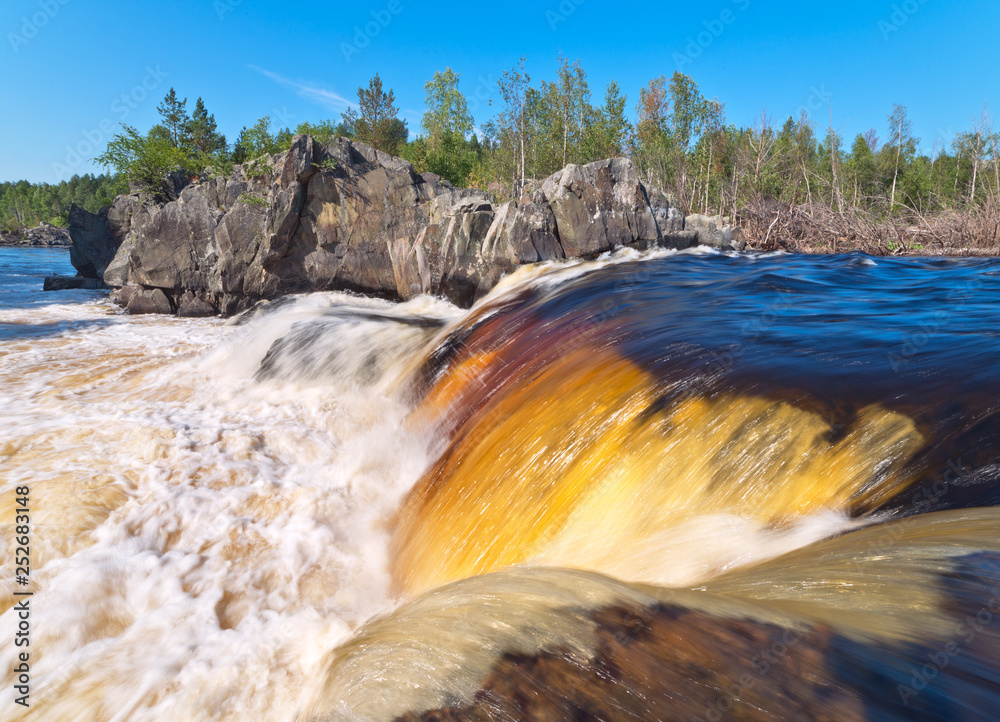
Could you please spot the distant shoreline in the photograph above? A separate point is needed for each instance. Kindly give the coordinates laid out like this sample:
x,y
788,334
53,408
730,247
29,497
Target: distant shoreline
x,y
58,246
43,236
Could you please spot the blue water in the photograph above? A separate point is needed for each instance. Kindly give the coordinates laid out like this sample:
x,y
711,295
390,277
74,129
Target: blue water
x,y
23,270
835,334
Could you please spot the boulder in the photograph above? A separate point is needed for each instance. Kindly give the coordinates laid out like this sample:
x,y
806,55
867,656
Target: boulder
x,y
710,231
600,206
194,304
524,232
148,300
45,235
668,218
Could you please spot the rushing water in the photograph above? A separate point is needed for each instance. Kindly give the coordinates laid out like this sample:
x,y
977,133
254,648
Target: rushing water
x,y
748,443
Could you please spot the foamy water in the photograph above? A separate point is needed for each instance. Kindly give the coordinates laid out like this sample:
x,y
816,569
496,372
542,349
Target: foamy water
x,y
199,538
211,510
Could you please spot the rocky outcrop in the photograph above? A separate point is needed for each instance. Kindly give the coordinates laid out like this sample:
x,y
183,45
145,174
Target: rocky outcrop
x,y
600,206
344,216
43,236
94,244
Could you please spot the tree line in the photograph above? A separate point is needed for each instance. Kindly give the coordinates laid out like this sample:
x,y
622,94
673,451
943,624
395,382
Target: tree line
x,y
25,205
679,139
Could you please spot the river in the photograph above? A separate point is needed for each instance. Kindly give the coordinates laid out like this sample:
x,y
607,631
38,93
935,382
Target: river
x,y
335,507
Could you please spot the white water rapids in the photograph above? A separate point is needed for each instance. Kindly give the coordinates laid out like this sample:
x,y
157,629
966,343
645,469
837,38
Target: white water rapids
x,y
201,538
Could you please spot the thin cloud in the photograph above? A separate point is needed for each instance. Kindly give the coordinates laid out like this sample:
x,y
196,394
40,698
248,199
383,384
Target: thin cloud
x,y
321,96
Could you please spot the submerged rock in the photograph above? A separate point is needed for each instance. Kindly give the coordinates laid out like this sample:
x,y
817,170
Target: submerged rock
x,y
64,283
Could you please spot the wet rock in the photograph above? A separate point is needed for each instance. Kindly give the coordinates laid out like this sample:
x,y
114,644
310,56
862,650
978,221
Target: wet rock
x,y
194,305
148,300
93,245
710,231
64,283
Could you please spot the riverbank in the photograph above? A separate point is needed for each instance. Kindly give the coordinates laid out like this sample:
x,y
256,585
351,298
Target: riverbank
x,y
771,225
44,236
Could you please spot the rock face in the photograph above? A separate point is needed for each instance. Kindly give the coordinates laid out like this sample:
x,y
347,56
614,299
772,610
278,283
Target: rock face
x,y
344,216
599,206
94,245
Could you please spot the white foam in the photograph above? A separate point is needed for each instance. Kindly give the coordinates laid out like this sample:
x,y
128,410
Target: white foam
x,y
238,530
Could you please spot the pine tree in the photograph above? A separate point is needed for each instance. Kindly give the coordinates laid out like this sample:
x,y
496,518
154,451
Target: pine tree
x,y
203,131
375,121
175,118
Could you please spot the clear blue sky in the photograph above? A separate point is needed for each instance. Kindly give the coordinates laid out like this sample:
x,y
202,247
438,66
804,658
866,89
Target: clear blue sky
x,y
66,64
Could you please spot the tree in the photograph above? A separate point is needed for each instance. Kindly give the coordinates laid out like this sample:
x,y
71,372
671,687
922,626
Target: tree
x,y
691,115
615,125
573,104
375,121
142,161
901,130
863,167
447,111
175,118
241,149
512,122
258,139
203,131
652,135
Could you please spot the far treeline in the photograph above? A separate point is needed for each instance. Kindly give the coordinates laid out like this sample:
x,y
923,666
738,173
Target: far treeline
x,y
25,205
788,183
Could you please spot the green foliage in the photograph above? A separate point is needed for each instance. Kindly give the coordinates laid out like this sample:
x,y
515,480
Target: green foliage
x,y
607,130
375,122
203,131
142,161
444,148
176,122
679,141
259,167
447,111
324,132
25,205
252,199
327,164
